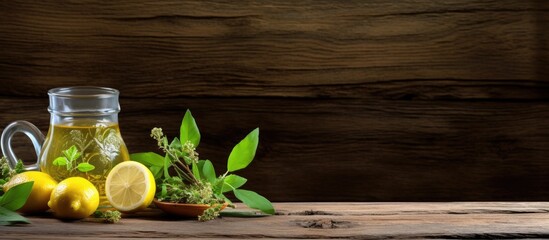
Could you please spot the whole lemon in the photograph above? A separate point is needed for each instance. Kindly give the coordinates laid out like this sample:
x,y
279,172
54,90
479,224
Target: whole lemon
x,y
74,198
40,193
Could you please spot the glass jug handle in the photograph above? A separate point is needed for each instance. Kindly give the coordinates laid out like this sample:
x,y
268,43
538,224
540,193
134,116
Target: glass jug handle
x,y
28,129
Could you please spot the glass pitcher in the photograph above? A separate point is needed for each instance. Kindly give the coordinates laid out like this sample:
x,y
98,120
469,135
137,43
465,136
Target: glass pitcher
x,y
83,138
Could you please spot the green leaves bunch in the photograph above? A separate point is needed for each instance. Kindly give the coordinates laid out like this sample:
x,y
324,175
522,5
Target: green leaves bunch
x,y
196,180
14,198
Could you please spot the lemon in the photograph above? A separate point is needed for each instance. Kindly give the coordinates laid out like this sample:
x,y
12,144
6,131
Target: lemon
x,y
130,187
40,193
74,198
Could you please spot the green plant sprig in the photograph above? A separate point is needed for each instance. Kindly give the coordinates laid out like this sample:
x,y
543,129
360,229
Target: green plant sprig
x,y
68,159
175,152
108,216
196,180
6,172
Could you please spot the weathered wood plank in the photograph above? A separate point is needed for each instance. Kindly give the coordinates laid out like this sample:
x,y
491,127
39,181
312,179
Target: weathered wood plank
x,y
415,49
331,150
320,221
320,78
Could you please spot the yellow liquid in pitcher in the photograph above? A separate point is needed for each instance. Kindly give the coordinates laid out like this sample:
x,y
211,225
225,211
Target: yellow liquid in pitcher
x,y
83,148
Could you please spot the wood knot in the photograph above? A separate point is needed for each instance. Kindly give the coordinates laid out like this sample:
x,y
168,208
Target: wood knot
x,y
322,223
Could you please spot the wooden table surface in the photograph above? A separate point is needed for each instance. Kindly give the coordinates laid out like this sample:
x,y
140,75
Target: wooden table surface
x,y
318,221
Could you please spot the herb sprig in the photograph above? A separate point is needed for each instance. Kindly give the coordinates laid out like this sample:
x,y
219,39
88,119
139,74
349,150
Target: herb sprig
x,y
196,181
6,171
68,159
108,216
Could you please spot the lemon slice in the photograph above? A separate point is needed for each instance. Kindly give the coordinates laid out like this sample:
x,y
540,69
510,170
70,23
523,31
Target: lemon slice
x,y
130,187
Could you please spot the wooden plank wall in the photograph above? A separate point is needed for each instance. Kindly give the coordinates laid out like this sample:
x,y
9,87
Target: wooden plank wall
x,y
410,100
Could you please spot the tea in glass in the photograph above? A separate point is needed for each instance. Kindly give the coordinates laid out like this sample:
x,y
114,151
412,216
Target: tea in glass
x,y
83,139
83,148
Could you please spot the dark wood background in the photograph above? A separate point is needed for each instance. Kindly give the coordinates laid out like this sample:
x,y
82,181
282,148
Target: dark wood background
x,y
371,100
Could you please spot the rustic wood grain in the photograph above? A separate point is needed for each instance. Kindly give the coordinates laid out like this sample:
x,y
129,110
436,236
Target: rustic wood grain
x,y
413,49
329,150
412,100
474,220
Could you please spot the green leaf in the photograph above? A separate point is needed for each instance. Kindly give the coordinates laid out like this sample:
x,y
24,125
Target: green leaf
x,y
189,130
233,181
196,170
85,167
60,161
72,153
8,217
163,191
254,200
243,153
208,171
176,144
187,160
16,197
217,186
148,159
167,164
156,171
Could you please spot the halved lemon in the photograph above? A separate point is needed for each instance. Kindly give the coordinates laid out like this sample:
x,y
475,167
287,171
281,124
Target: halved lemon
x,y
130,187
